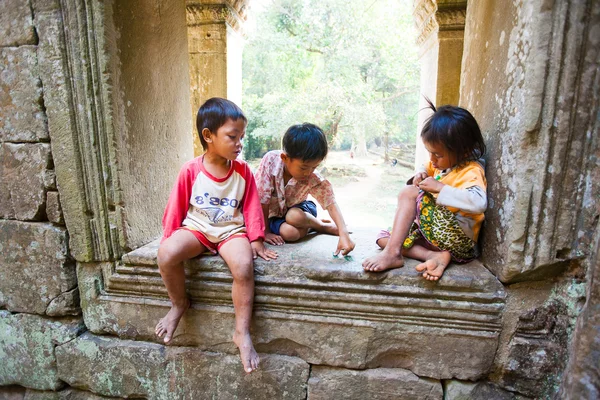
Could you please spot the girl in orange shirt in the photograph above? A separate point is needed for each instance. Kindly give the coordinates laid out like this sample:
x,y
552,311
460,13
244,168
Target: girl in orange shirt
x,y
440,211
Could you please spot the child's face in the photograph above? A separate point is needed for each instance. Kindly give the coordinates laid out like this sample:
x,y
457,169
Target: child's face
x,y
299,169
227,141
440,156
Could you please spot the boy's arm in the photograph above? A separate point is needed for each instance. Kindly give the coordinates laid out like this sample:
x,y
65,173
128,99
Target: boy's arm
x,y
345,244
270,237
254,219
178,203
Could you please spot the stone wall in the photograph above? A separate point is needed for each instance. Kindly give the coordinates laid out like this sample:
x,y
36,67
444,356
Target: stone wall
x,y
94,123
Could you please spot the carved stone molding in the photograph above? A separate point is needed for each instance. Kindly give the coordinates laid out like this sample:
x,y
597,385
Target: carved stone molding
x,y
433,16
327,311
234,14
76,95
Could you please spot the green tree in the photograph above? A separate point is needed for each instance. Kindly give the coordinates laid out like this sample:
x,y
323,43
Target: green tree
x,y
350,67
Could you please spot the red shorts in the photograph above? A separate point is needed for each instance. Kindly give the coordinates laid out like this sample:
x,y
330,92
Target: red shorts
x,y
212,247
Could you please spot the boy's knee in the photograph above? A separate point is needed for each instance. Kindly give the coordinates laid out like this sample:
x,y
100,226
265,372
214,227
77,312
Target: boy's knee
x,y
165,257
295,217
291,234
243,272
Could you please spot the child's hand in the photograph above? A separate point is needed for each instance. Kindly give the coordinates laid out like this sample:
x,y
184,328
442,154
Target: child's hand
x,y
345,245
259,250
274,239
419,176
431,185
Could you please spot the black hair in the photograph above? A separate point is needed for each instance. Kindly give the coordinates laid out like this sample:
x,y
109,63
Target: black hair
x,y
214,113
455,128
305,141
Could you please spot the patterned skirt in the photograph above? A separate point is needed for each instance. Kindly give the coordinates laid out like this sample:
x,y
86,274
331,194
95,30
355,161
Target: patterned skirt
x,y
438,226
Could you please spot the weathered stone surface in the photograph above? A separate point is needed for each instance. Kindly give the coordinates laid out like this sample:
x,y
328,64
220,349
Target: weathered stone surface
x,y
458,390
375,384
41,395
537,352
74,394
114,367
22,117
581,378
16,24
538,111
326,311
27,346
22,189
53,208
12,392
35,269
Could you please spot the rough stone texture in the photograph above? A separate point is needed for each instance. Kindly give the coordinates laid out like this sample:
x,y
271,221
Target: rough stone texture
x,y
374,384
22,189
22,117
37,275
27,346
53,208
124,368
537,351
538,112
581,379
16,25
61,125
148,43
324,310
458,390
12,392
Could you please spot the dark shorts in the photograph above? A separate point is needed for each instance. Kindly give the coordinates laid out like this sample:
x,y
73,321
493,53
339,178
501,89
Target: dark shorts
x,y
306,206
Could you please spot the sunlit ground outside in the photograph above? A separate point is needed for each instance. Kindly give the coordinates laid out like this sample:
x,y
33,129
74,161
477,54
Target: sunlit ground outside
x,y
350,67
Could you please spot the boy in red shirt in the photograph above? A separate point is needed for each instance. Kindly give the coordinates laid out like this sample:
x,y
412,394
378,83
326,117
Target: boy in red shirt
x,y
214,207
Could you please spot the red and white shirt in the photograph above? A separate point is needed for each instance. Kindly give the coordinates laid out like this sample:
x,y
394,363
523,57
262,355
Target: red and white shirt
x,y
279,196
217,207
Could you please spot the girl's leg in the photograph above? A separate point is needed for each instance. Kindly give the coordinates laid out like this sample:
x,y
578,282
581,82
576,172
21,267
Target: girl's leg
x,y
435,261
391,255
237,253
180,246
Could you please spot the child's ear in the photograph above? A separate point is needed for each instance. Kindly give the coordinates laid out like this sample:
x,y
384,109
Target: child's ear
x,y
284,157
206,135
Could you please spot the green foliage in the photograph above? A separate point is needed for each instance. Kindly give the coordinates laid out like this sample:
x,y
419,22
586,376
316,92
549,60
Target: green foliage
x,y
348,66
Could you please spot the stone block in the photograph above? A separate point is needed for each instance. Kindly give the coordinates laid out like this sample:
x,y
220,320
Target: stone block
x,y
74,394
16,23
27,346
124,368
12,392
22,189
459,390
376,384
537,352
37,274
41,395
53,208
307,304
22,117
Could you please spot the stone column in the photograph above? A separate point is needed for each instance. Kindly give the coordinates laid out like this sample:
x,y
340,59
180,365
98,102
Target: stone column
x,y
440,25
215,47
530,77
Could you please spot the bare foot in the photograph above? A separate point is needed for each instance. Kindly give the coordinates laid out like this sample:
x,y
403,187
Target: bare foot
x,y
434,268
382,261
168,324
248,355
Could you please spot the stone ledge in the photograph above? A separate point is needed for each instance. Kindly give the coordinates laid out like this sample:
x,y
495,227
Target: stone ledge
x,y
308,304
